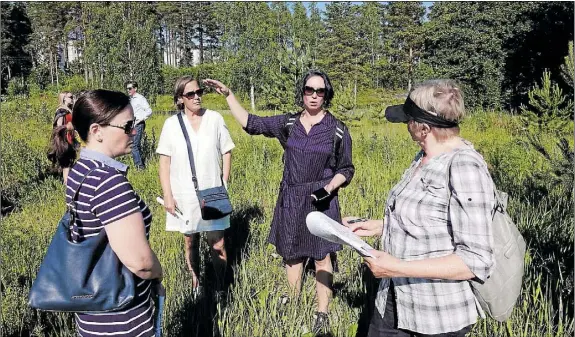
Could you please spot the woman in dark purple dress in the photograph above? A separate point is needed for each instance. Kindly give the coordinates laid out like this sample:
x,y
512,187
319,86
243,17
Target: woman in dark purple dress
x,y
309,166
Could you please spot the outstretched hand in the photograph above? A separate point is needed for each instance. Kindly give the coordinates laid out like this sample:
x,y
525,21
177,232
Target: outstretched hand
x,y
218,86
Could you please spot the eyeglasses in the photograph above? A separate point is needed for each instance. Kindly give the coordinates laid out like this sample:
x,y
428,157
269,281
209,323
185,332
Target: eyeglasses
x,y
308,91
129,88
192,94
128,127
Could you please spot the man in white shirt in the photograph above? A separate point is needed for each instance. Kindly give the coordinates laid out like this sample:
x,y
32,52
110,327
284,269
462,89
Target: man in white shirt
x,y
142,111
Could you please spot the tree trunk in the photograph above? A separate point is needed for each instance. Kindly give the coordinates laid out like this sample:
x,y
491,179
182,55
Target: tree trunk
x,y
355,93
201,43
84,37
66,56
9,73
51,68
130,66
101,71
167,46
410,69
166,54
57,68
252,96
173,49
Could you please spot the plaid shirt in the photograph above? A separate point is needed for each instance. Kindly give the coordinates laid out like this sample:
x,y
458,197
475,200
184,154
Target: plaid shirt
x,y
422,223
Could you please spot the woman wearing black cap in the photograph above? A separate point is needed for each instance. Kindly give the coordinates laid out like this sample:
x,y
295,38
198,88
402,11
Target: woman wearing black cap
x,y
437,233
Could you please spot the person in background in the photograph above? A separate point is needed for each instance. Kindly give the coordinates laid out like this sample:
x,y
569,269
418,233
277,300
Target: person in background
x,y
142,111
63,113
437,232
105,121
211,146
62,123
308,169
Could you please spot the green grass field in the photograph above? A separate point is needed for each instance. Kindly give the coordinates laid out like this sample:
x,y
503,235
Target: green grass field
x,y
381,152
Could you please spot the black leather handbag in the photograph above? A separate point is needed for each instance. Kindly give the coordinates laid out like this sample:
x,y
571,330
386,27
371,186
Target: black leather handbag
x,y
84,277
214,202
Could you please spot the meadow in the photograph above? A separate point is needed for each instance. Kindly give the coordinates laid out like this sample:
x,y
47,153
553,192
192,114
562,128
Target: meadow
x,y
34,199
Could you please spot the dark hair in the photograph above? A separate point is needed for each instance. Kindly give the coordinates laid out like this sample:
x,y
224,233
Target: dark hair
x,y
179,89
328,87
95,106
133,83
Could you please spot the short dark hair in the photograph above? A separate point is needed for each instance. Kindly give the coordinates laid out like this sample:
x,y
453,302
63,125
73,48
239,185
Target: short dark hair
x,y
328,88
133,83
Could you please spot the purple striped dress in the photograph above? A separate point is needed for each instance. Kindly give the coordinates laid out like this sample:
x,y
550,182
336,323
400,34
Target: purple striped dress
x,y
105,197
306,170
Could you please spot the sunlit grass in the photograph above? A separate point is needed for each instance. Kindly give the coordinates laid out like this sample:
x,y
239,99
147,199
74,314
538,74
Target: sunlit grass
x,y
381,152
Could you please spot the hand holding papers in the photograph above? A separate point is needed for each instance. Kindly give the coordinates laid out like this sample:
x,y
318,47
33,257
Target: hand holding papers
x,y
323,226
178,212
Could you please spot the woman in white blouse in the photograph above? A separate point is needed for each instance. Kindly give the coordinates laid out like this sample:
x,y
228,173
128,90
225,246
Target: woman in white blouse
x,y
211,146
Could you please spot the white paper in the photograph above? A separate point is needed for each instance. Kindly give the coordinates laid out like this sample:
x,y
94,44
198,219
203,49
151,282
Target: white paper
x,y
326,228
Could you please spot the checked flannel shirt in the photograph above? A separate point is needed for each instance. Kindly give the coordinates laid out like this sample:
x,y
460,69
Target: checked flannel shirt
x,y
421,223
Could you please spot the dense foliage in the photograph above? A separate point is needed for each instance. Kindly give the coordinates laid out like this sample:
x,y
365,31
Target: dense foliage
x,y
496,49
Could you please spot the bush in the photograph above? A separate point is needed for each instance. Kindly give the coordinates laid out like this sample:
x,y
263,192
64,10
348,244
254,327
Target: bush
x,y
21,167
74,83
17,87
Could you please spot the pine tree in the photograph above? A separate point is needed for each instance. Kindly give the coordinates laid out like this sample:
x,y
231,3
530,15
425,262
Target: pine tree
x,y
340,48
403,30
370,31
550,111
16,31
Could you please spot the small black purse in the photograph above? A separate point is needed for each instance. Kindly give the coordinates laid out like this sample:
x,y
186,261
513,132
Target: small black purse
x,y
84,277
214,202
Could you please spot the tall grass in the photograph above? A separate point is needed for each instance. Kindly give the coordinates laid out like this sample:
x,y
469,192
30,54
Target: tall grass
x,y
381,152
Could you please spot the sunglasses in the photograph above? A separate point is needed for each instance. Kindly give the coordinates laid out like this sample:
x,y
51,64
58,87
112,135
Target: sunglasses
x,y
308,91
129,88
128,127
192,94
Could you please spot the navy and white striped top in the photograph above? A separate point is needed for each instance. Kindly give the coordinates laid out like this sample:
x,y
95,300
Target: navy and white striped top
x,y
106,196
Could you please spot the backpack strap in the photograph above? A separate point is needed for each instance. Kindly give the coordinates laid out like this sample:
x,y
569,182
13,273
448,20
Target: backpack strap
x,y
336,151
339,131
289,122
500,203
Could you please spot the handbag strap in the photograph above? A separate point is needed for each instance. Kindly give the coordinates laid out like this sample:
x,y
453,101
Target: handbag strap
x,y
190,153
71,207
75,196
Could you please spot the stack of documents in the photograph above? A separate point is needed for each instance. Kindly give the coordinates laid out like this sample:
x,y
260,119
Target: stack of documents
x,y
326,228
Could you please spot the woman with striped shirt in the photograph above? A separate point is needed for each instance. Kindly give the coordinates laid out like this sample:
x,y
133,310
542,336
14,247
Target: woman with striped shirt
x,y
104,120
